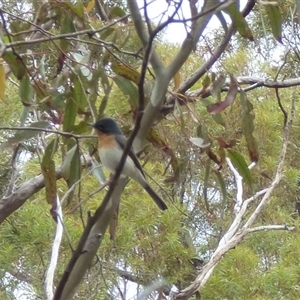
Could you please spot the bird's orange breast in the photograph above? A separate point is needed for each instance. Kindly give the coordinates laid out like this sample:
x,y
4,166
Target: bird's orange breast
x,y
106,141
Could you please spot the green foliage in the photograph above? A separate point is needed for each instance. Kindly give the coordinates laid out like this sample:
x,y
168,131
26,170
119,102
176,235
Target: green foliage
x,y
263,268
235,276
64,83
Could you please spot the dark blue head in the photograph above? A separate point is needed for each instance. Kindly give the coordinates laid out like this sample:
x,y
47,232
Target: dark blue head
x,y
107,126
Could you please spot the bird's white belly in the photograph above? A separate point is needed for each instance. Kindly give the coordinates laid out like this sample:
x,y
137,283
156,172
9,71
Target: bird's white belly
x,y
111,159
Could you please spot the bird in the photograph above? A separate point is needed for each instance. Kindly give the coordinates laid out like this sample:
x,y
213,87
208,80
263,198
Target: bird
x,y
111,144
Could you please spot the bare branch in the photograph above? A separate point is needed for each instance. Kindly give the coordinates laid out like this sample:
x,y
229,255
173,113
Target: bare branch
x,y
158,284
239,186
49,278
62,133
101,11
144,35
271,227
266,82
10,203
254,82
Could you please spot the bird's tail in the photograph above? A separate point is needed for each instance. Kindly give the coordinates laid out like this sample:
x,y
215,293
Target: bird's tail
x,y
159,202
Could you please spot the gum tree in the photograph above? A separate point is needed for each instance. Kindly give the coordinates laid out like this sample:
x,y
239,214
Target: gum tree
x,y
199,107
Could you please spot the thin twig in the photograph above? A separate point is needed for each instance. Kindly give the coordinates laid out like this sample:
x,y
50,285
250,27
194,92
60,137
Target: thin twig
x,y
89,32
62,133
89,196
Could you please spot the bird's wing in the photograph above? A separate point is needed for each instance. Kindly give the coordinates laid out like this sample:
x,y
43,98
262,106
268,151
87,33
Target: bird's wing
x,y
121,140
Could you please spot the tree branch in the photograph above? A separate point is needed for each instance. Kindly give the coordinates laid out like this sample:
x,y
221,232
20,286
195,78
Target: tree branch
x,y
267,82
62,133
239,186
255,82
270,227
49,278
143,35
10,203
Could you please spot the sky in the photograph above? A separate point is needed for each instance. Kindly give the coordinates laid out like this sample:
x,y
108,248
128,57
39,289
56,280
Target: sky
x,y
159,10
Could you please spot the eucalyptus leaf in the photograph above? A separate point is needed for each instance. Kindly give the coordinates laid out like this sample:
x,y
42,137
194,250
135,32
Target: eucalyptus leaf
x,y
98,172
199,142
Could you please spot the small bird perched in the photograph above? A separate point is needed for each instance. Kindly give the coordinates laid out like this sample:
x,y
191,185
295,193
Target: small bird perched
x,y
111,144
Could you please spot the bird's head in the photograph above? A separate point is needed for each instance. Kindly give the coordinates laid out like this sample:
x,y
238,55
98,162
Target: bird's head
x,y
107,126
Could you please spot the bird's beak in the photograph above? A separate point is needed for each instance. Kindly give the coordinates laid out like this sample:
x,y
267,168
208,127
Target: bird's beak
x,y
90,124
